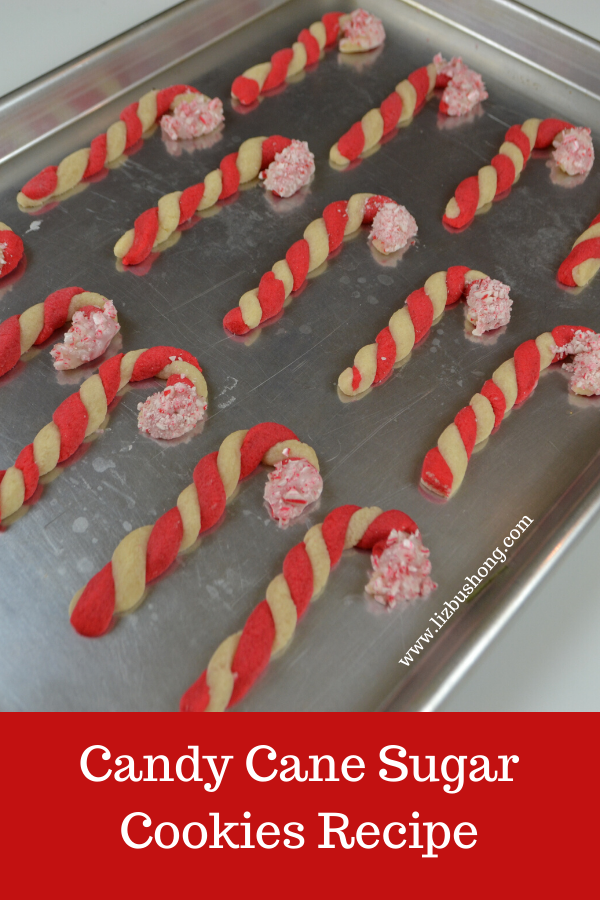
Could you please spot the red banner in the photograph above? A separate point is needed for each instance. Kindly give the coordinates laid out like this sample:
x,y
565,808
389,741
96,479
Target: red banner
x,y
294,805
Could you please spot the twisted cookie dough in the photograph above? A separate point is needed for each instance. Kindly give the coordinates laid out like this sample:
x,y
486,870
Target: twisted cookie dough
x,y
147,552
374,362
321,238
155,225
34,326
583,261
11,250
477,191
286,63
407,98
81,414
106,148
240,660
444,467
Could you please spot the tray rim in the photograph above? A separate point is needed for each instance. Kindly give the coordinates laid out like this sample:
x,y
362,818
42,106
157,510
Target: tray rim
x,y
466,640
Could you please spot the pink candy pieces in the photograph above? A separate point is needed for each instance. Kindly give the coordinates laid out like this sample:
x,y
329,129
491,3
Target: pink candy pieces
x,y
193,118
393,227
92,329
575,152
290,170
488,305
448,69
290,487
463,92
585,367
171,413
401,570
361,32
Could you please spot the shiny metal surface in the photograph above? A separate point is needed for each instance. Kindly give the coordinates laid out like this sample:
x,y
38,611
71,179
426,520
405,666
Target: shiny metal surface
x,y
542,463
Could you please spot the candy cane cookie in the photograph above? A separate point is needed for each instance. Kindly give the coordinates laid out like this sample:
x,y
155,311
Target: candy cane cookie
x,y
241,658
155,225
34,326
408,325
147,552
81,414
406,100
11,250
359,31
491,181
583,261
445,466
133,122
321,237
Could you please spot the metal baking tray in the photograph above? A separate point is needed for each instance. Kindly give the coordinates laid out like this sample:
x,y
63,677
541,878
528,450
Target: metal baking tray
x,y
543,463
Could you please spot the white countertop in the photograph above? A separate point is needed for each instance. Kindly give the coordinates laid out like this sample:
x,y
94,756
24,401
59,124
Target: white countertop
x,y
547,657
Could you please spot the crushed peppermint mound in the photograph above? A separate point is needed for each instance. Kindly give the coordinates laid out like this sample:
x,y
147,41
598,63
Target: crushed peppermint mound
x,y
290,487
585,365
92,329
449,69
362,31
193,118
393,227
171,413
290,170
488,305
401,570
463,92
574,151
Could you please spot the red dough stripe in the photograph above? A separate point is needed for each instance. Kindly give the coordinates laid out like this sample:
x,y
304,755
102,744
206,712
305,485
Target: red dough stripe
x,y
331,21
132,124
311,45
210,490
94,610
71,419
420,309
527,369
455,283
351,144
520,139
380,528
466,423
420,81
145,231
506,172
492,392
336,219
152,361
97,157
259,441
231,176
190,201
253,651
588,249
298,573
547,131
10,344
279,67
41,185
391,110
386,357
110,375
25,461
165,97
334,530
197,697
271,146
298,259
467,198
436,473
164,543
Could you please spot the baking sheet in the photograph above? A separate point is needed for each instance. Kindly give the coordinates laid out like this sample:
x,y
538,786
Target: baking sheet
x,y
345,652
